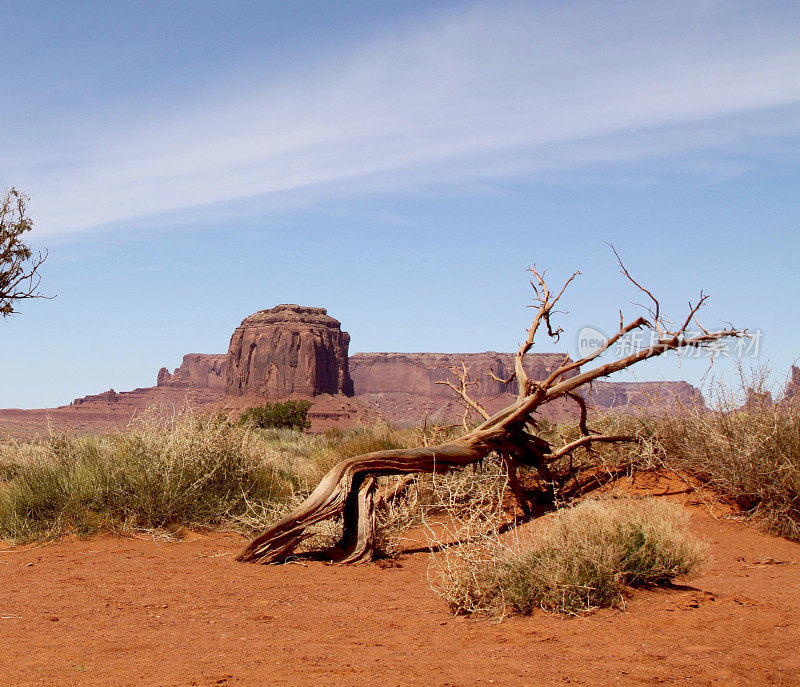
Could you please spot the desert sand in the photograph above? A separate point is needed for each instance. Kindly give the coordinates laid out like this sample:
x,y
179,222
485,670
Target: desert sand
x,y
137,611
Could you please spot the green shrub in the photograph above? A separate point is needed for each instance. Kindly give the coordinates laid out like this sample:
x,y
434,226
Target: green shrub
x,y
581,558
279,415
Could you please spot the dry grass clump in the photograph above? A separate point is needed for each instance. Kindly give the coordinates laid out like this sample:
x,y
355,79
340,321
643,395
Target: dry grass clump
x,y
748,455
579,559
337,444
744,447
308,457
165,474
188,472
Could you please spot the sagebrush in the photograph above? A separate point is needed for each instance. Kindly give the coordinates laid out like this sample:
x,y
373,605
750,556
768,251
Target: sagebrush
x,y
580,558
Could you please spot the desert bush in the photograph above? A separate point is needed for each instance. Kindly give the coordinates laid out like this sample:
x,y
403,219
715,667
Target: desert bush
x,y
750,456
743,447
191,472
468,501
8,471
451,506
160,475
280,415
578,559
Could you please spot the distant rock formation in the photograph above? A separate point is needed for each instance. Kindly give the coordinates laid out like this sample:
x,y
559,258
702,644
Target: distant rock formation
x,y
202,370
109,396
289,350
642,397
757,400
403,388
418,373
294,351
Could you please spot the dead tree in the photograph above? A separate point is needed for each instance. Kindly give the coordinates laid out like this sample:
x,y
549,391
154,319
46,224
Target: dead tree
x,y
348,490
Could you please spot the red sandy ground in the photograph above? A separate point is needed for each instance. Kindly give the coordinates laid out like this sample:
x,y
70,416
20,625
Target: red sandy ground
x,y
130,611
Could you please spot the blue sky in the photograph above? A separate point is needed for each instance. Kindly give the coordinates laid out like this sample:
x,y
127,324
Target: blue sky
x,y
399,163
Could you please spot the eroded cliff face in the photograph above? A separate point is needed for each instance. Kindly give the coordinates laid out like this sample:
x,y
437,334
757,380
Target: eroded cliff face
x,y
403,388
417,373
645,397
289,350
201,370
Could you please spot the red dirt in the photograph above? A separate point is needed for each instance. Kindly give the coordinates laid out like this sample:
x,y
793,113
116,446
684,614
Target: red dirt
x,y
139,612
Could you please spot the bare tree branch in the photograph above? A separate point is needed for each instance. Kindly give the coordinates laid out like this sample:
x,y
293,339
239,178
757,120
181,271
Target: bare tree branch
x,y
587,441
463,391
655,312
544,303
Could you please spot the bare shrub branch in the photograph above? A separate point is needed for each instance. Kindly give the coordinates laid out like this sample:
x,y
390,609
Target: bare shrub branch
x,y
462,390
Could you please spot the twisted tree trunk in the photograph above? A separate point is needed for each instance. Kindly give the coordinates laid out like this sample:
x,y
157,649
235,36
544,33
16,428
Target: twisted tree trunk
x,y
348,490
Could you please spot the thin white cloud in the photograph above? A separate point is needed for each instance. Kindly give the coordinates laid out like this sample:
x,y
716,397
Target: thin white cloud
x,y
493,91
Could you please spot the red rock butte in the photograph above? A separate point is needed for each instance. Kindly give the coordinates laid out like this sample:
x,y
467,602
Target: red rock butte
x,y
286,350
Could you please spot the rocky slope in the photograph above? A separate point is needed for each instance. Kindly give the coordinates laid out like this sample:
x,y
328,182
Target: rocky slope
x,y
109,411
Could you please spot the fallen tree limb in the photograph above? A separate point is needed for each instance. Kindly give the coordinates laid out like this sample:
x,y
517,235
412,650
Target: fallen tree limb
x,y
331,496
348,490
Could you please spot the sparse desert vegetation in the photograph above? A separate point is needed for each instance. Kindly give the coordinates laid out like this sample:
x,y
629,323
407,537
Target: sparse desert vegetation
x,y
748,456
206,472
190,472
580,558
162,475
565,540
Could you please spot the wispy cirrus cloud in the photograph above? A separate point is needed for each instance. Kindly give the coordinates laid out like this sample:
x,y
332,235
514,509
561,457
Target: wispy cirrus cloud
x,y
492,91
